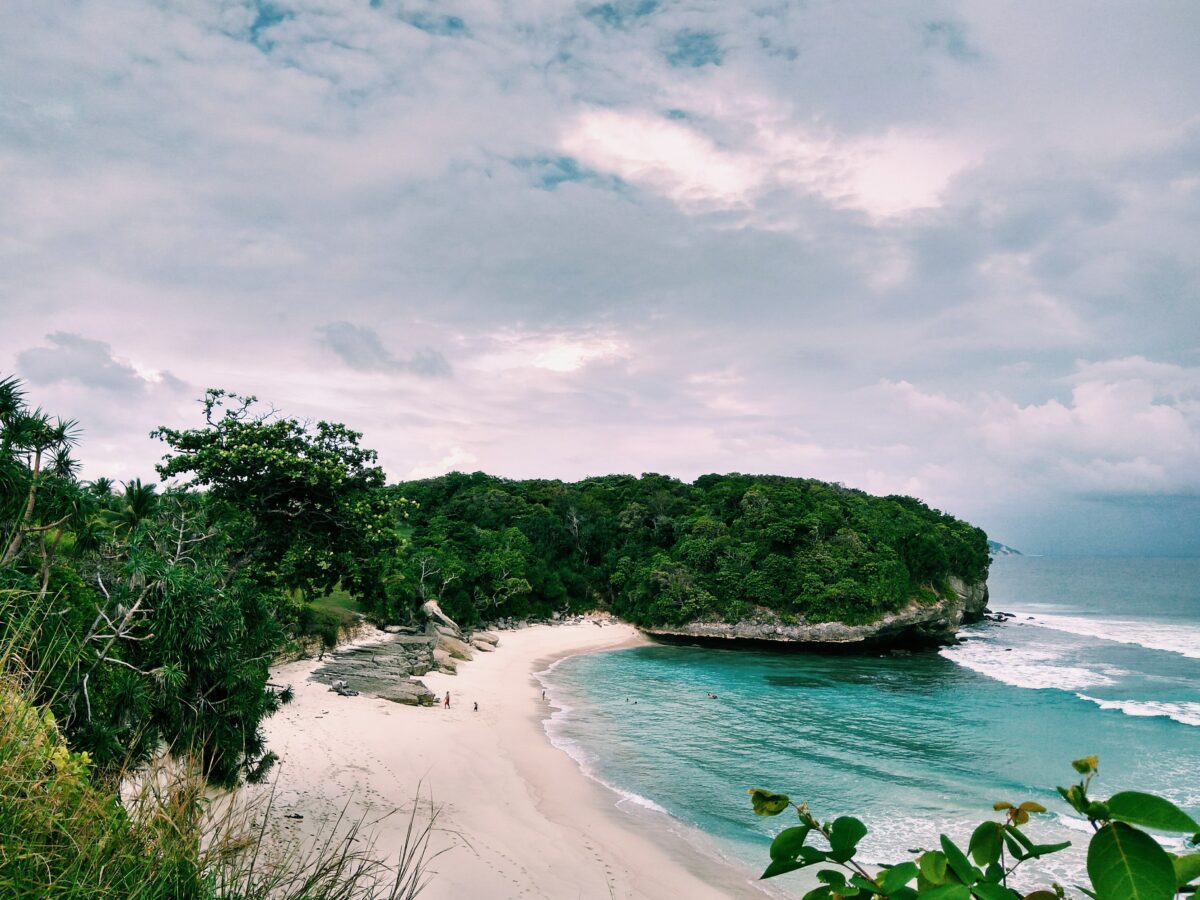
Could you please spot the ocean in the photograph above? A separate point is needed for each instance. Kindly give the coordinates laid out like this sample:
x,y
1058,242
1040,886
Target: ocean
x,y
1102,657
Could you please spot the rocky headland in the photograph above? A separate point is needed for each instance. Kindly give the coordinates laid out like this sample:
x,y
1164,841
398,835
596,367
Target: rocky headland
x,y
916,625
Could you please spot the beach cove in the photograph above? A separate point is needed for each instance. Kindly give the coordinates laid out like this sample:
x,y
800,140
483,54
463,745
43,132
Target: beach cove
x,y
518,818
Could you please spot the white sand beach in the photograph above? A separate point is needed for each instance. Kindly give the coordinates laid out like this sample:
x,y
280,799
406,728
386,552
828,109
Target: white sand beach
x,y
518,817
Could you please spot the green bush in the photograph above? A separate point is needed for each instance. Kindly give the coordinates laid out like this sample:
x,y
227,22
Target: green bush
x,y
68,835
1124,862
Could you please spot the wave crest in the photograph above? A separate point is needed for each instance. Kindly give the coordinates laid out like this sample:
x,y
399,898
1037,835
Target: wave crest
x,y
1166,637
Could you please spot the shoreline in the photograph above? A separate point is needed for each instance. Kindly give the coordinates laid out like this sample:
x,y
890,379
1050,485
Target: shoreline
x,y
519,817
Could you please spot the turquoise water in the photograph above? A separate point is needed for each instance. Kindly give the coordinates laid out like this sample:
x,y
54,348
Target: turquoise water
x,y
1103,657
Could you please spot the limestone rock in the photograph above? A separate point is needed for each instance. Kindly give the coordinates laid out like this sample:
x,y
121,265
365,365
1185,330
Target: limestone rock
x,y
487,637
482,646
410,693
455,647
915,624
444,662
382,669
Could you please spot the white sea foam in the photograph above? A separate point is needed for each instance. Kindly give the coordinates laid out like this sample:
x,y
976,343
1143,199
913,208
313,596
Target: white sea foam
x,y
700,841
1026,667
1186,712
1170,637
583,758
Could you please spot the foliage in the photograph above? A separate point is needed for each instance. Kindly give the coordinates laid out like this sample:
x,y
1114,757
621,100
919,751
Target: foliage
x,y
137,627
302,505
158,612
63,835
658,551
1124,862
39,496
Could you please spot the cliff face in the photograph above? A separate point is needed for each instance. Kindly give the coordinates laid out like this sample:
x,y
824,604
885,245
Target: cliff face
x,y
916,624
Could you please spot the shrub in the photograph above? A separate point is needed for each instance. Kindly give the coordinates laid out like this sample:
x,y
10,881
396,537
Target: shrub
x,y
1123,861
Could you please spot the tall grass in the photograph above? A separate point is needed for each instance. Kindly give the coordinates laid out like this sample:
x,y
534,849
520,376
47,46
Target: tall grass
x,y
158,833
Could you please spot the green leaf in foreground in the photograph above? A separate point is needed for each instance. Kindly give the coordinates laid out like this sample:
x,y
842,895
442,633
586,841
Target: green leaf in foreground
x,y
986,843
988,890
1187,868
958,861
846,832
1127,864
1047,849
832,877
788,842
933,866
891,880
1150,811
781,866
948,892
767,804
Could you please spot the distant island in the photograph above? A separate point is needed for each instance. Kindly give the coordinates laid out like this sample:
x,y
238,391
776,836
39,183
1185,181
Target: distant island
x,y
995,548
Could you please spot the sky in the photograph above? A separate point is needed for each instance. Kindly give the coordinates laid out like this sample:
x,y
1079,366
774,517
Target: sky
x,y
942,249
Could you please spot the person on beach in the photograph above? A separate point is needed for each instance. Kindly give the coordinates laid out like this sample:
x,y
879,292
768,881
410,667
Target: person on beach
x,y
476,706
543,695
446,704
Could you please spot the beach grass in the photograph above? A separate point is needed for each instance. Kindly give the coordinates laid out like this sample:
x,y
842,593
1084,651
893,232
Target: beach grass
x,y
160,832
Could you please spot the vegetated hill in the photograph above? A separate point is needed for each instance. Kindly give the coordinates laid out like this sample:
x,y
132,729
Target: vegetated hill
x,y
658,551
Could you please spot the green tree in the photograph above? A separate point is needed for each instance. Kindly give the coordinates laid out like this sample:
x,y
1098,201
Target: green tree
x,y
39,494
303,505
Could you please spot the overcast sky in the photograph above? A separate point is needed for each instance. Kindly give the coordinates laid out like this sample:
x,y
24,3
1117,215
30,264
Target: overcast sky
x,y
950,250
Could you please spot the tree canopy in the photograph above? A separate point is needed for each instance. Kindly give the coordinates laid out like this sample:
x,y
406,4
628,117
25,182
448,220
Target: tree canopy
x,y
656,550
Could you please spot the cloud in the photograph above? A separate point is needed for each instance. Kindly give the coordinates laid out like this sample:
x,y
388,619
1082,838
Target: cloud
x,y
1125,427
884,175
91,363
694,49
360,348
454,459
935,405
620,14
928,246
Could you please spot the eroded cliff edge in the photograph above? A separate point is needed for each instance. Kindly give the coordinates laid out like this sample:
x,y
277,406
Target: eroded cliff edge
x,y
918,624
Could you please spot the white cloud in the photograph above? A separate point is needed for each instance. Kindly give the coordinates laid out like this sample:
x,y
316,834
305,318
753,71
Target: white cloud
x,y
848,251
455,458
552,351
884,175
667,156
934,405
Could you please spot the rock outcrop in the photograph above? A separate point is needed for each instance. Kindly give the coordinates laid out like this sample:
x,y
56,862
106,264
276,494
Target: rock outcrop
x,y
457,648
915,625
383,669
973,595
444,662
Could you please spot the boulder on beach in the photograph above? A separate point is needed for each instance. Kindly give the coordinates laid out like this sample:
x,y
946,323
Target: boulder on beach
x,y
455,647
410,693
444,662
